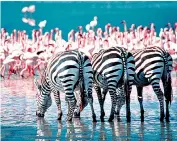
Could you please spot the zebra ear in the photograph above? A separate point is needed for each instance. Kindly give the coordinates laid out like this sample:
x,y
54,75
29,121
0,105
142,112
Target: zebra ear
x,y
37,84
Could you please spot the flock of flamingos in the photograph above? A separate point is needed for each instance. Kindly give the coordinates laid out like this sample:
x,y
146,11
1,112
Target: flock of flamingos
x,y
19,54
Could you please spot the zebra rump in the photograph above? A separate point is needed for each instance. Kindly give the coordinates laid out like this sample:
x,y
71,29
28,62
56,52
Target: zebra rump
x,y
113,68
68,72
152,65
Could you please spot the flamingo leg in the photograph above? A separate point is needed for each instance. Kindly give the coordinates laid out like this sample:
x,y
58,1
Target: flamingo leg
x,y
2,70
21,73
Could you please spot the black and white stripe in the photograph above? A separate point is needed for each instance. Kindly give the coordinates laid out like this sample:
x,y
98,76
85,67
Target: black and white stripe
x,y
113,69
67,72
153,64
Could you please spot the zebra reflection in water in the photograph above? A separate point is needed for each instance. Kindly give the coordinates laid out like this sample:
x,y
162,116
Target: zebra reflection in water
x,y
79,130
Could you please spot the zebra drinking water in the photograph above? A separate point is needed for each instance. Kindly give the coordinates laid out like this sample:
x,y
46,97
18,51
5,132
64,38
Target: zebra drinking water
x,y
67,72
114,72
153,64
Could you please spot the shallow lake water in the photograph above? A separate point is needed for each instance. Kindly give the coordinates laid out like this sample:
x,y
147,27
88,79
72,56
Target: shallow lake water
x,y
19,122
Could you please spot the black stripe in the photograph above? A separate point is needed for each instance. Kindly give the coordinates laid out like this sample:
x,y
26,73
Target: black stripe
x,y
110,65
112,71
67,75
112,76
68,80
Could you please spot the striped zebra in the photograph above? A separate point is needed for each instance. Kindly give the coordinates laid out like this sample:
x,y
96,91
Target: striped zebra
x,y
153,64
113,71
68,72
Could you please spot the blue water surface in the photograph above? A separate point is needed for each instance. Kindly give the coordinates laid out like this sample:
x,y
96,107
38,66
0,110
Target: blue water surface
x,y
19,122
69,15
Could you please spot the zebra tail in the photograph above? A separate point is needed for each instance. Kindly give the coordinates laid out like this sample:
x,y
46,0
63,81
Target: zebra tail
x,y
168,90
87,83
168,93
125,74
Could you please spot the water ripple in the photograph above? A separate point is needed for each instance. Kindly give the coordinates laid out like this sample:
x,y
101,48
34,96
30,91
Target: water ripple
x,y
18,120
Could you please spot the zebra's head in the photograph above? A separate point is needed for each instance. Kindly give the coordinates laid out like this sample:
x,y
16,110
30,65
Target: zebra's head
x,y
38,88
43,100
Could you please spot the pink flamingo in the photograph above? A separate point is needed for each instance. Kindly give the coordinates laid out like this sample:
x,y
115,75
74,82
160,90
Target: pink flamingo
x,y
29,59
11,60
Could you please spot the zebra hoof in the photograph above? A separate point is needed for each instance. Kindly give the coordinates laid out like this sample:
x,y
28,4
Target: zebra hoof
x,y
161,119
111,118
102,119
39,114
76,115
167,119
142,118
69,119
128,119
59,116
94,118
118,118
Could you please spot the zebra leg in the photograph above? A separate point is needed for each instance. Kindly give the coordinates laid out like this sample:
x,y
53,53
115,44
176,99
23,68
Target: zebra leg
x,y
58,102
49,102
120,99
101,101
105,91
71,106
128,113
113,100
79,104
140,99
168,94
42,108
90,101
159,93
167,111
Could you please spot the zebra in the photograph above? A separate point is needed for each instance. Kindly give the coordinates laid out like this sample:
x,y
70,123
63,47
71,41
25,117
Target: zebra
x,y
113,70
153,64
68,72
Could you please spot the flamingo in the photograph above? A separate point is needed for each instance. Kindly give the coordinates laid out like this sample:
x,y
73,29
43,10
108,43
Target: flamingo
x,y
25,20
29,59
11,60
125,25
42,24
89,42
31,8
25,9
94,22
87,27
31,22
